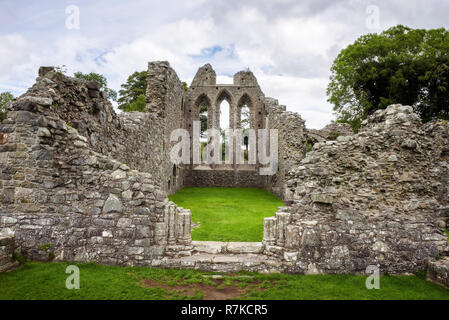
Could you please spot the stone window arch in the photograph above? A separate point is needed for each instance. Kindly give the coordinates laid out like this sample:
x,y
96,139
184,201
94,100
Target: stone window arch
x,y
203,113
245,112
223,119
224,95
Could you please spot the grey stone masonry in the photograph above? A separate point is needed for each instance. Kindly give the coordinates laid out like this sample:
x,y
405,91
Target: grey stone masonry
x,y
438,272
6,253
379,197
79,182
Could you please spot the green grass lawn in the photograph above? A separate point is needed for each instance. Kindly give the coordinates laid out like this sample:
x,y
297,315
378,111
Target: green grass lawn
x,y
35,280
227,214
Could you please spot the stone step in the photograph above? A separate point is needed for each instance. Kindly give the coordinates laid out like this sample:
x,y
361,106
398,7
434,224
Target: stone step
x,y
216,247
9,266
225,262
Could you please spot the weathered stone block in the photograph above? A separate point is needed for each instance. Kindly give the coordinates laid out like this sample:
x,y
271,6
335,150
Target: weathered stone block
x,y
244,247
113,204
208,246
322,198
142,232
438,272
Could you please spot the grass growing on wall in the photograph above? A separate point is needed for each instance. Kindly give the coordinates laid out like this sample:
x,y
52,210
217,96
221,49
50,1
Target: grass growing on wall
x,y
227,214
35,280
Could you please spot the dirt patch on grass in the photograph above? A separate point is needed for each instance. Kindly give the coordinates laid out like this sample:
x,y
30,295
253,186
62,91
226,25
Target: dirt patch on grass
x,y
219,291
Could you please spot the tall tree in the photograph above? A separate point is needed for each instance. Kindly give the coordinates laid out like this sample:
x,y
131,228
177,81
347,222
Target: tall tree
x,y
111,94
132,92
399,65
5,97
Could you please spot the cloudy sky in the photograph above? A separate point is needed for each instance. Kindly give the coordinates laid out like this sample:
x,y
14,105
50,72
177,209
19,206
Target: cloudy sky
x,y
288,44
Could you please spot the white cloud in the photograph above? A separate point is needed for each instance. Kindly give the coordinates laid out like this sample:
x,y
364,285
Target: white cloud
x,y
14,50
278,44
289,45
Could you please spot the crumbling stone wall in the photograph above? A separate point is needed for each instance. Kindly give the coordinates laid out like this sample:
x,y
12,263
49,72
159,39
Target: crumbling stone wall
x,y
229,177
330,132
125,137
65,200
292,145
373,198
81,183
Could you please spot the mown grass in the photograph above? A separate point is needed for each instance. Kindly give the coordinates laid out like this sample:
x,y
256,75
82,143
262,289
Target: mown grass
x,y
227,214
35,280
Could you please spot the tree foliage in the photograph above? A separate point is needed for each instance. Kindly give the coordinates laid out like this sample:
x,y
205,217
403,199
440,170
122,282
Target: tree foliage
x,y
5,97
137,105
101,79
399,65
132,94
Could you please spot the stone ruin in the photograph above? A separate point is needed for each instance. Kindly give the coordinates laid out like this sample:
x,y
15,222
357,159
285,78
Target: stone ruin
x,y
81,183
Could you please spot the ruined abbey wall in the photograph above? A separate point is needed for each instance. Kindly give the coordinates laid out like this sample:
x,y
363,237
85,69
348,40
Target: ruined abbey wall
x,y
82,183
165,102
292,139
70,188
375,198
264,113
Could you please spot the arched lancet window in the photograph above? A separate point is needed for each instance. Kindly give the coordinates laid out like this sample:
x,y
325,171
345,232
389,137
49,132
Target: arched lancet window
x,y
224,115
224,112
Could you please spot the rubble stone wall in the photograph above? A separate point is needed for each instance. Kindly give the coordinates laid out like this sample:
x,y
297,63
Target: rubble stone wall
x,y
373,198
82,183
330,132
225,178
6,253
291,145
438,272
64,200
165,103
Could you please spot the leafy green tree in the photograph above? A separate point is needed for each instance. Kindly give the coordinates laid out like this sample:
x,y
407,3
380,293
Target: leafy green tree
x,y
399,65
132,90
5,97
137,105
111,94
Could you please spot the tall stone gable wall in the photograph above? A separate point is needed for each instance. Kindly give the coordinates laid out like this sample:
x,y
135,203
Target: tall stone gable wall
x,y
265,113
165,102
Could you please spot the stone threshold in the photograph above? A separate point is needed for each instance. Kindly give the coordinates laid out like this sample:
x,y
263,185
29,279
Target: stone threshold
x,y
226,257
223,262
217,247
